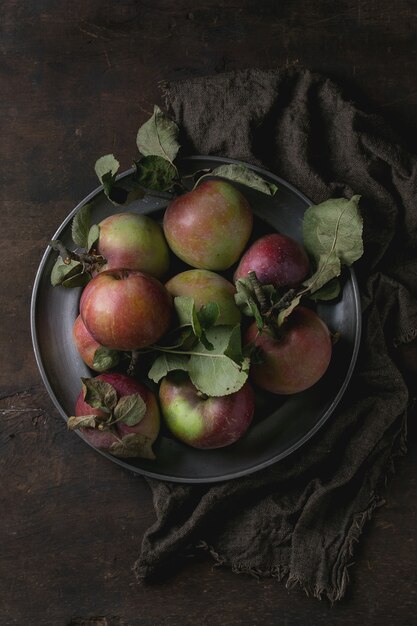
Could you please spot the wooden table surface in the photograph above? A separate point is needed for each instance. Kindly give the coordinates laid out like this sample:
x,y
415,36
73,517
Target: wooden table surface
x,y
77,80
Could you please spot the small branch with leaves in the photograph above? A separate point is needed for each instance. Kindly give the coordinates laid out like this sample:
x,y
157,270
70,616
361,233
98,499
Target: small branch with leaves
x,y
332,233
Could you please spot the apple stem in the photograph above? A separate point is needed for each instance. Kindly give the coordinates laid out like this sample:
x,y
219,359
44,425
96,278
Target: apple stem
x,y
257,287
83,257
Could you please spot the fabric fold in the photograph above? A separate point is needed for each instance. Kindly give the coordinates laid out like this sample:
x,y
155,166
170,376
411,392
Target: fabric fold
x,y
301,518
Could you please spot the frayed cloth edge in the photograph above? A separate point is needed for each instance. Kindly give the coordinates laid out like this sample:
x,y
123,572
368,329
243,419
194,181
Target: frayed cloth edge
x,y
335,593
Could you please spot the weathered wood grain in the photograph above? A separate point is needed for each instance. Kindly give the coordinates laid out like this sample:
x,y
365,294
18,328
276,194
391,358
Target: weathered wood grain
x,y
77,79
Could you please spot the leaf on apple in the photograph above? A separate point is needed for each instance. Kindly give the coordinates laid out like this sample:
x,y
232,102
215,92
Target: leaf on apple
x,y
188,316
214,372
93,237
168,362
218,370
83,421
80,226
332,234
208,314
133,445
99,394
247,301
158,136
245,176
233,348
130,409
155,173
105,359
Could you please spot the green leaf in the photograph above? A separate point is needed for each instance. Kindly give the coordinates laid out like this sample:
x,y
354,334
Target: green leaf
x,y
105,359
81,225
245,176
62,271
155,172
247,301
167,362
328,292
234,344
158,137
333,237
99,394
133,445
93,236
187,314
106,168
328,267
244,296
208,314
83,421
130,409
213,372
257,315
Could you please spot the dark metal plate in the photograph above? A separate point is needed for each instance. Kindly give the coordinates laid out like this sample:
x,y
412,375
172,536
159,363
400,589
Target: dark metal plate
x,y
281,424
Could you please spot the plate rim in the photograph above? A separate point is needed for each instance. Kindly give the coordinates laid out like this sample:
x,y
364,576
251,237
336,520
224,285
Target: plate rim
x,y
196,480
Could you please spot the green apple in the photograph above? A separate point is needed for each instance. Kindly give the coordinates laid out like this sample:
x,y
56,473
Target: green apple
x,y
135,242
204,422
205,286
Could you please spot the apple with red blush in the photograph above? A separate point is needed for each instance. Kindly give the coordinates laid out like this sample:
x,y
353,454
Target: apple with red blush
x,y
294,356
209,227
93,354
125,309
201,421
276,260
145,431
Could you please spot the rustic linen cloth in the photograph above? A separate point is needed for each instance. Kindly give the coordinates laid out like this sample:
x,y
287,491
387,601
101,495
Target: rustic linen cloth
x,y
300,518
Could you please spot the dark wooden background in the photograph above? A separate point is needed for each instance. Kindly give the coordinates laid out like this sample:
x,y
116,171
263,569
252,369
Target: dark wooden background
x,y
77,80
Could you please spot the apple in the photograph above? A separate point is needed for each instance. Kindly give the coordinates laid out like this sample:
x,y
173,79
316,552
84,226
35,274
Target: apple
x,y
294,358
125,309
204,422
276,259
205,286
133,241
209,227
87,347
124,386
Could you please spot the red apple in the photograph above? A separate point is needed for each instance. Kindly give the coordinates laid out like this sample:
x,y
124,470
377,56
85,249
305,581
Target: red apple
x,y
209,227
297,358
125,309
124,386
276,259
205,287
87,347
135,242
204,422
